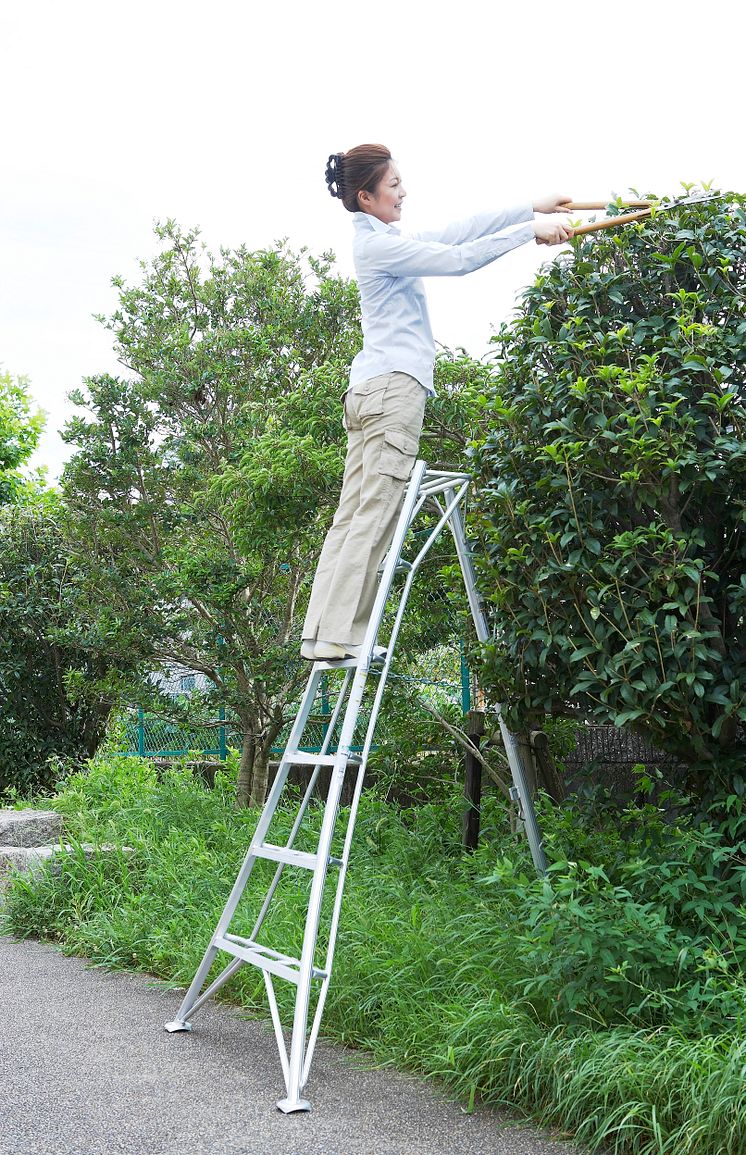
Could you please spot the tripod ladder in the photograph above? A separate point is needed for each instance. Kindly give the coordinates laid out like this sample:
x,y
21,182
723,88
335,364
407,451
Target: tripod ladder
x,y
309,974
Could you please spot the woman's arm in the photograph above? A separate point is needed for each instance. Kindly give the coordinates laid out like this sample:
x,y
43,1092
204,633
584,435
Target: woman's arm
x,y
406,256
480,225
487,223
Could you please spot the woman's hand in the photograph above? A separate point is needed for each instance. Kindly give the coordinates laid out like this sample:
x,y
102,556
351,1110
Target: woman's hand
x,y
553,231
551,204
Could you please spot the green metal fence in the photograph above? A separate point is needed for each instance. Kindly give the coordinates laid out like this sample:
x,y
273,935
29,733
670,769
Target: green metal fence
x,y
442,673
152,736
430,657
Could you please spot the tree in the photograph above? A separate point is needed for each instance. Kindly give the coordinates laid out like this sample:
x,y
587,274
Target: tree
x,y
201,483
48,665
19,434
613,484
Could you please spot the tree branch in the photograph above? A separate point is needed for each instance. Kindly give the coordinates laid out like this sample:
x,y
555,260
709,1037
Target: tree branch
x,y
468,746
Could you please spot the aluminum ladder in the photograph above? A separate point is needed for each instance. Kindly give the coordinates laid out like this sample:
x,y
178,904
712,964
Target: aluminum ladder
x,y
445,492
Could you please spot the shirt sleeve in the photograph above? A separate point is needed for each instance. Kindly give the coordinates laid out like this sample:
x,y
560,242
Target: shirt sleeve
x,y
479,225
408,256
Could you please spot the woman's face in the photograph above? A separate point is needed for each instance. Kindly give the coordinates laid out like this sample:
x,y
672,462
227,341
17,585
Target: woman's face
x,y
385,203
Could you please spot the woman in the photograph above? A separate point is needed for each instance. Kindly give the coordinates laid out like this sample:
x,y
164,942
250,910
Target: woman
x,y
392,376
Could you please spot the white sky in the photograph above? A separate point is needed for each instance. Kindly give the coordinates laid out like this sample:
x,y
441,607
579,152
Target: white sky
x,y
222,115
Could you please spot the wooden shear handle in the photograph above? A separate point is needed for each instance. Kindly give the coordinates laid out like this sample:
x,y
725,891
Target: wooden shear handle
x,y
608,222
611,222
583,206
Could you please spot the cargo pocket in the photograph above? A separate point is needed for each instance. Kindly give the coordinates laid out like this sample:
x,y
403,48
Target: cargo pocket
x,y
398,452
369,396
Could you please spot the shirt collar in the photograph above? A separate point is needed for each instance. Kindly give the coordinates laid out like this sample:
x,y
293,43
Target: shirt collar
x,y
363,220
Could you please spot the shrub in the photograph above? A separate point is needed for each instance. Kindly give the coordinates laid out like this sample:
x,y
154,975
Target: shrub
x,y
613,484
639,920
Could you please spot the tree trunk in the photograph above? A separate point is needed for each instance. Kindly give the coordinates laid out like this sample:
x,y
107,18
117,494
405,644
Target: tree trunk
x,y
259,780
548,774
244,786
262,759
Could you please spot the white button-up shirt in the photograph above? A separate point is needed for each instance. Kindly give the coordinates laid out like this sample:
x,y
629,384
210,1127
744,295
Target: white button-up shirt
x,y
396,326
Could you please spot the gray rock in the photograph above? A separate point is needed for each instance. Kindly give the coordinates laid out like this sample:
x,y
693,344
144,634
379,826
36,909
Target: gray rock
x,y
32,859
25,859
29,827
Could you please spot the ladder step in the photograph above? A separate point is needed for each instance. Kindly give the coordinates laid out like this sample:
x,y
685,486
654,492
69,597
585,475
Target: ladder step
x,y
260,956
264,957
287,855
291,857
301,758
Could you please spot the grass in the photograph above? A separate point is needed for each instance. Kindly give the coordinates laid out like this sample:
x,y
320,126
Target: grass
x,y
430,974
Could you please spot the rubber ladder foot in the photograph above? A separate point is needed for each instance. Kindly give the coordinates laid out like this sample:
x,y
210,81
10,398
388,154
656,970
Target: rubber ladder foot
x,y
288,1106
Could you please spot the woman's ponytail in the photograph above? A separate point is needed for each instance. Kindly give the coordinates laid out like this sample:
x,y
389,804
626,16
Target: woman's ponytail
x,y
334,174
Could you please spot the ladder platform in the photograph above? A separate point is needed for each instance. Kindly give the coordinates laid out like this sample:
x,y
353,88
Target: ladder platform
x,y
264,957
287,855
376,660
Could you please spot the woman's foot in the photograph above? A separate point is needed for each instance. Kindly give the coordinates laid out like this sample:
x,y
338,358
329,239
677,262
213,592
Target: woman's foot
x,y
379,652
315,651
329,652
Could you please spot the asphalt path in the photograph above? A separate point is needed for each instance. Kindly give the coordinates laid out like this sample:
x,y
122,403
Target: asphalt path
x,y
86,1068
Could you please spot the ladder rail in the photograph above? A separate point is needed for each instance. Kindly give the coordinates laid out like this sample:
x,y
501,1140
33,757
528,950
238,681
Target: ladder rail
x,y
302,1001
297,1058
334,924
404,597
298,1049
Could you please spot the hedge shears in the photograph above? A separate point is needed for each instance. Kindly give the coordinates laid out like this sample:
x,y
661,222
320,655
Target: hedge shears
x,y
643,209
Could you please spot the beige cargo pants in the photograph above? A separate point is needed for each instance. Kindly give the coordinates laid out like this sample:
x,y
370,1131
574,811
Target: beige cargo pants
x,y
383,418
